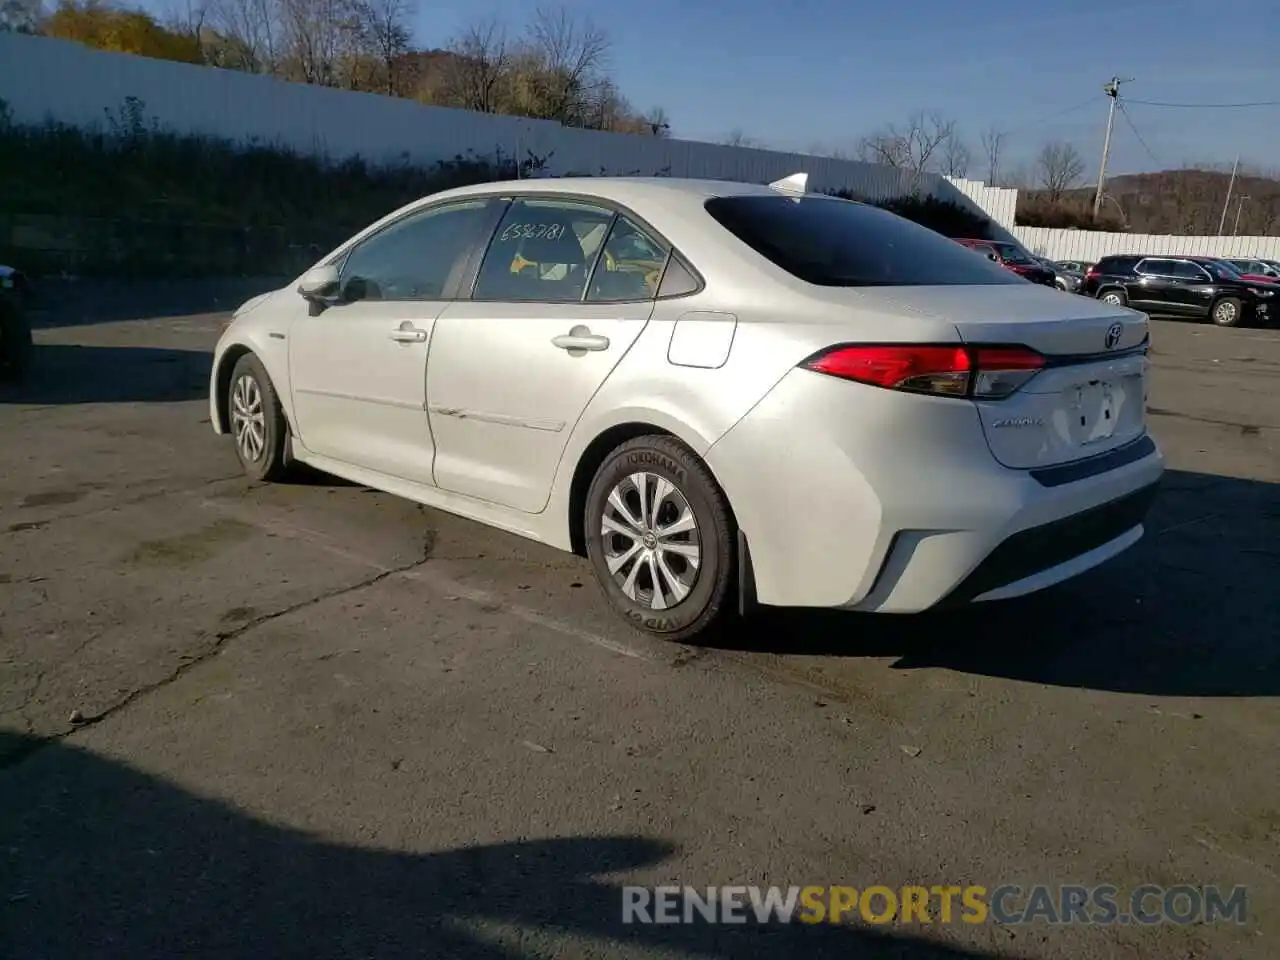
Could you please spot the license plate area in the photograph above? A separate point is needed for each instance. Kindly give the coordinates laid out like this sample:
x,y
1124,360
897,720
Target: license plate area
x,y
1093,409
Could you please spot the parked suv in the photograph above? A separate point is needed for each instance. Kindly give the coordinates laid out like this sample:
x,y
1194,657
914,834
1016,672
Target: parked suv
x,y
1181,287
1014,258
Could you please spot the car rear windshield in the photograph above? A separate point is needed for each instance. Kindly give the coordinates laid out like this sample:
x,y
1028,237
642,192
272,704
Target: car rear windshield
x,y
840,243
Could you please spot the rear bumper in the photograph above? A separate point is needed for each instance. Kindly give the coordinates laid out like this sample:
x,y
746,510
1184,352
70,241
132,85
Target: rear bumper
x,y
865,499
1043,555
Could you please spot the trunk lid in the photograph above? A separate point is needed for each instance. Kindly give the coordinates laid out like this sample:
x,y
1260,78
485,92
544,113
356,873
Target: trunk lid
x,y
1091,396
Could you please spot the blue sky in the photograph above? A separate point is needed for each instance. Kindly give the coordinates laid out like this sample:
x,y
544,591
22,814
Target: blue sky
x,y
797,73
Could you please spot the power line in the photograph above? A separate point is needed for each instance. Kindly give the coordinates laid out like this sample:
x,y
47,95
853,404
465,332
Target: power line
x,y
1054,116
1208,106
1129,122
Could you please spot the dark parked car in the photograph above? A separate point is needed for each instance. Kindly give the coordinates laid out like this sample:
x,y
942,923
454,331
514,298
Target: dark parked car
x,y
1014,258
1066,280
1199,287
15,334
1075,266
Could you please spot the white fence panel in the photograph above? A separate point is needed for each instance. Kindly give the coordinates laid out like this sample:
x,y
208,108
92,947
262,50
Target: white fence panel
x,y
999,203
1091,246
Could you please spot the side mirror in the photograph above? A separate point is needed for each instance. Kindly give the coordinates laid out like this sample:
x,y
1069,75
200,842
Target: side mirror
x,y
320,284
992,257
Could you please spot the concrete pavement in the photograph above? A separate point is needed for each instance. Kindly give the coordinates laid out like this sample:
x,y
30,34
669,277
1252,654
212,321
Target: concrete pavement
x,y
313,720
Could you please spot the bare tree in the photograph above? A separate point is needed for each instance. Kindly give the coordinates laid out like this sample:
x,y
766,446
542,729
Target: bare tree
x,y
1022,176
955,156
474,76
914,147
736,138
658,122
568,58
605,108
383,29
248,35
993,139
1058,168
886,149
20,16
188,17
317,35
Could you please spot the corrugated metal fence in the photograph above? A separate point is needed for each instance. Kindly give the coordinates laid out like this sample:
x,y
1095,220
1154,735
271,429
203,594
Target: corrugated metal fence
x,y
44,78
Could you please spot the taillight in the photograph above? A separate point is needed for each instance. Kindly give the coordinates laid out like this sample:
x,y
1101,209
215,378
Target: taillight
x,y
1092,272
975,372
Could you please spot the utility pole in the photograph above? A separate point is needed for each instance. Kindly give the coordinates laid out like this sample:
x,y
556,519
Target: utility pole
x,y
1112,90
1239,206
1222,221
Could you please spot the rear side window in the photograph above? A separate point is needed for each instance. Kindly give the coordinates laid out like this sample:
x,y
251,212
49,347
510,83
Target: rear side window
x,y
1184,270
1116,264
1012,254
839,243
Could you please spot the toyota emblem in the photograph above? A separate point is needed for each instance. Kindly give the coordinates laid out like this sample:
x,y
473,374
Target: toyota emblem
x,y
1114,333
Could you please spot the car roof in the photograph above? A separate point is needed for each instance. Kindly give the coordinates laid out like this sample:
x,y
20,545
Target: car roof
x,y
623,190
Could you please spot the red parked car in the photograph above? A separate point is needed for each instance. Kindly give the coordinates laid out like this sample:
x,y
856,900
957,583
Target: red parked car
x,y
1012,257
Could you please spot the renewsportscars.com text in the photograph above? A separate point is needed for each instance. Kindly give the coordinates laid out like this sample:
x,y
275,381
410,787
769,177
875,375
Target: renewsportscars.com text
x,y
1006,904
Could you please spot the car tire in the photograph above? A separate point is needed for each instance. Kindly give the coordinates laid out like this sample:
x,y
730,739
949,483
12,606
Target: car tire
x,y
692,567
16,346
258,426
1227,312
1113,295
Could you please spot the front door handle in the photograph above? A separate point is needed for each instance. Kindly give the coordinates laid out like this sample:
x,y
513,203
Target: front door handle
x,y
408,333
580,338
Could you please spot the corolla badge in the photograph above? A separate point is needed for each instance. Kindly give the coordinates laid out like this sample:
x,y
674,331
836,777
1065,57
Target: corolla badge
x,y
1114,333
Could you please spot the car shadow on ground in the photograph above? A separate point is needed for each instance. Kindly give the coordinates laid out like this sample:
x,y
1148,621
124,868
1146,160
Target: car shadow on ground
x,y
1192,610
71,374
105,861
78,303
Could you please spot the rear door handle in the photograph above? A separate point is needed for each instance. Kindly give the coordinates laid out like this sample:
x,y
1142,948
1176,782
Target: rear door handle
x,y
408,334
581,338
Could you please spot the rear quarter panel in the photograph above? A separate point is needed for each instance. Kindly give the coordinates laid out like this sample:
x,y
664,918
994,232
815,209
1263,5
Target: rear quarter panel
x,y
700,404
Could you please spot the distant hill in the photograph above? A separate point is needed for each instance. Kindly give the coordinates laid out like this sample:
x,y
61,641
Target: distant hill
x,y
1183,202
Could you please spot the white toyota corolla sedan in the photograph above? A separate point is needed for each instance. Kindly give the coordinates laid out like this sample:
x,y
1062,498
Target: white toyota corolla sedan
x,y
720,393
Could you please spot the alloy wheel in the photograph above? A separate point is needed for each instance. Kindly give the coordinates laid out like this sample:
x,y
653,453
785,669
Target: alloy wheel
x,y
248,418
651,541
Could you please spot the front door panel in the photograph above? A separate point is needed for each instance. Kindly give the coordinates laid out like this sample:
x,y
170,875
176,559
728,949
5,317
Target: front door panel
x,y
359,385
